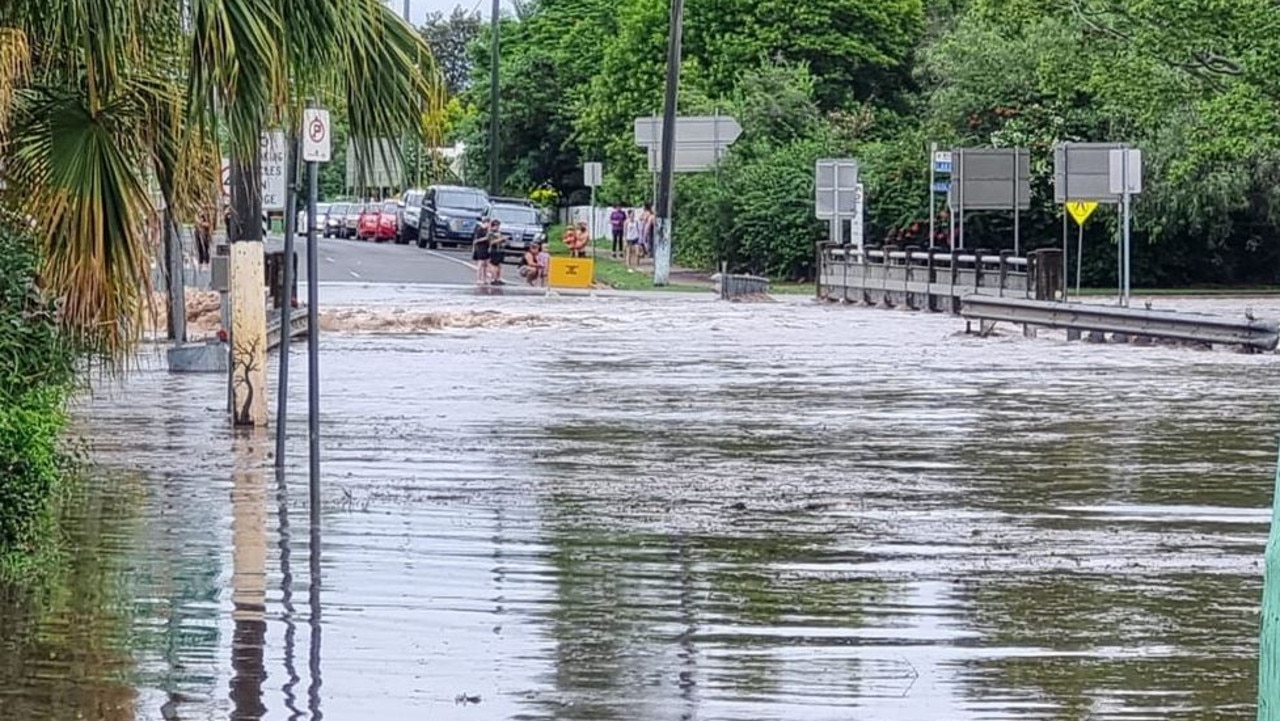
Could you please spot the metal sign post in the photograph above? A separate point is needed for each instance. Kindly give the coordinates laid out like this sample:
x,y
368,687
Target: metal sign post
x,y
592,177
990,179
1082,172
286,310
939,164
316,149
1124,166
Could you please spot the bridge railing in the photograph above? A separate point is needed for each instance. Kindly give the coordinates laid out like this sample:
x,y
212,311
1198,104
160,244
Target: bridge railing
x,y
932,279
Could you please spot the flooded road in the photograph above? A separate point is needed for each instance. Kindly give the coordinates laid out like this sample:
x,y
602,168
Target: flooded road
x,y
670,508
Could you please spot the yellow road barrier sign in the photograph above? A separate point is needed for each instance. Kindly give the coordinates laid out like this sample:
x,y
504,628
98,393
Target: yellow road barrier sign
x,y
1081,210
571,272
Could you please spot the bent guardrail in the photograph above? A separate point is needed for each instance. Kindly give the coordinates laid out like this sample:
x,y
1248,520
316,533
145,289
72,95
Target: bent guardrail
x,y
1129,322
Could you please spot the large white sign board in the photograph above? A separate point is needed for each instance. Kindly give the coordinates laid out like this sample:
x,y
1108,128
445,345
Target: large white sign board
x,y
700,141
692,130
272,152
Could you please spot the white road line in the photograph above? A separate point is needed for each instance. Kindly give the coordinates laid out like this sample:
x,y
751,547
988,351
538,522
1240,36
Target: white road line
x,y
459,261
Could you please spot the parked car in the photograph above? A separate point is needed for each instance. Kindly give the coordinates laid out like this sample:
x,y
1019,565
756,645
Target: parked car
x,y
520,224
351,221
322,215
449,215
388,221
412,211
514,201
334,220
367,227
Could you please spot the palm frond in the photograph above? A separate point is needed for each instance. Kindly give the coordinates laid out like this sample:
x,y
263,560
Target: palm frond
x,y
76,176
391,82
237,68
15,63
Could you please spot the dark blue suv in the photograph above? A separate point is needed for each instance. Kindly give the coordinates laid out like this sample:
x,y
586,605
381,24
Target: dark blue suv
x,y
449,215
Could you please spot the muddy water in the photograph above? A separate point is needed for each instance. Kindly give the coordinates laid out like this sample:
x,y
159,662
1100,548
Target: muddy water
x,y
671,508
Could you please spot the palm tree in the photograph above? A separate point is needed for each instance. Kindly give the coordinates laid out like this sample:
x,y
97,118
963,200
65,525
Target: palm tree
x,y
102,100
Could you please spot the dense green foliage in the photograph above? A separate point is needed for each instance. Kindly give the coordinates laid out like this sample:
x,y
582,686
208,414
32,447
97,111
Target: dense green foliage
x,y
37,366
1194,83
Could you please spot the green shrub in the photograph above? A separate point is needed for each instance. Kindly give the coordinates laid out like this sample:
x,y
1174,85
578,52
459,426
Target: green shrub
x,y
37,373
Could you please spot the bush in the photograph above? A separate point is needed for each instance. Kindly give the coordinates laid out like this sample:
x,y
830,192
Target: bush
x,y
757,217
37,373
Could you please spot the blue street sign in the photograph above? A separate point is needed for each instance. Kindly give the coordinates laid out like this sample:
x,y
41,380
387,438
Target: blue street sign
x,y
943,168
942,186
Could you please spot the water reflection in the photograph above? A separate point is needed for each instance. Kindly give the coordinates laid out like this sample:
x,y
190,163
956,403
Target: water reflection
x,y
249,578
65,645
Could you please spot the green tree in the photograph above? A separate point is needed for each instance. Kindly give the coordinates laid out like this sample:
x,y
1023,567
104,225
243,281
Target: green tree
x,y
450,38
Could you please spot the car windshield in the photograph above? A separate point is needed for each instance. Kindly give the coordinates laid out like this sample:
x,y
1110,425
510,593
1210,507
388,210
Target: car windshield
x,y
338,209
390,207
460,199
413,197
321,209
514,215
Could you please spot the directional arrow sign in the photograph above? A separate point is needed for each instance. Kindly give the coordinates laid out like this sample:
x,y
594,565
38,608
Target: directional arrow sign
x,y
702,129
1081,210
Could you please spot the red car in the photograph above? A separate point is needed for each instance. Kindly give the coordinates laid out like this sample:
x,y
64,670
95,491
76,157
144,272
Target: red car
x,y
389,222
367,227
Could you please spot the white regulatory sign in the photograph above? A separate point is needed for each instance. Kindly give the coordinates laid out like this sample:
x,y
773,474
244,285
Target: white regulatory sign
x,y
317,140
271,150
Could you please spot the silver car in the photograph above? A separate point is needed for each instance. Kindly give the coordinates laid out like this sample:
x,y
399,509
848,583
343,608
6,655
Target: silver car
x,y
351,223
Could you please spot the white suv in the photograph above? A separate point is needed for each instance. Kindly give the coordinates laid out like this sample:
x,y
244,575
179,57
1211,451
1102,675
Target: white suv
x,y
412,211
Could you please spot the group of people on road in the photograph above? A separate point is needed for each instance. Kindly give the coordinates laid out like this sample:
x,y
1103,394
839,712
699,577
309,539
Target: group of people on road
x,y
488,250
632,233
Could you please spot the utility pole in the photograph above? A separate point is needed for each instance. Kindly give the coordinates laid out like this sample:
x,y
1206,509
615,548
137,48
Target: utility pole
x,y
662,251
495,186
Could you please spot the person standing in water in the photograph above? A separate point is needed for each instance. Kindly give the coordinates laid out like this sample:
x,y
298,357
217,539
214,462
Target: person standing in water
x,y
480,252
496,241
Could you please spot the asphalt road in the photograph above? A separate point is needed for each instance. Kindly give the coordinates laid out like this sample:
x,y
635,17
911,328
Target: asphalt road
x,y
361,261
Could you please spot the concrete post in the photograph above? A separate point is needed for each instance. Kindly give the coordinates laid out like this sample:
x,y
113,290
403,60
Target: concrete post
x,y
248,335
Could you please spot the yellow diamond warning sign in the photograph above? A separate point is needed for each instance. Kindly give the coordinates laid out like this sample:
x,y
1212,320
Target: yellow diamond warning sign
x,y
1081,210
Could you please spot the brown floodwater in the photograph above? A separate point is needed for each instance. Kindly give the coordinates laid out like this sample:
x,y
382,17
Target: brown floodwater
x,y
666,507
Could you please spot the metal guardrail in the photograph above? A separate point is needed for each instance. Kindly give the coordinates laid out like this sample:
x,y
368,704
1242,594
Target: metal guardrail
x,y
1191,327
298,326
932,279
738,286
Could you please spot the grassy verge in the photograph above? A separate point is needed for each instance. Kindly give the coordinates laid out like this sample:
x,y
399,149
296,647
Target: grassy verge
x,y
615,273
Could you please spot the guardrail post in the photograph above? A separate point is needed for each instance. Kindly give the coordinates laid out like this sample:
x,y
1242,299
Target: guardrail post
x,y
910,298
931,299
1004,269
1044,268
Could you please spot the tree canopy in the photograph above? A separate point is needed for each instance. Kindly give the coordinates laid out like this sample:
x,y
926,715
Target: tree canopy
x,y
1193,83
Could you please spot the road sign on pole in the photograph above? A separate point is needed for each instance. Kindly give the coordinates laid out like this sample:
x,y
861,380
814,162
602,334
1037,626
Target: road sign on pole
x,y
855,224
272,151
592,174
690,130
1125,177
1081,210
1124,171
835,188
317,139
700,141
